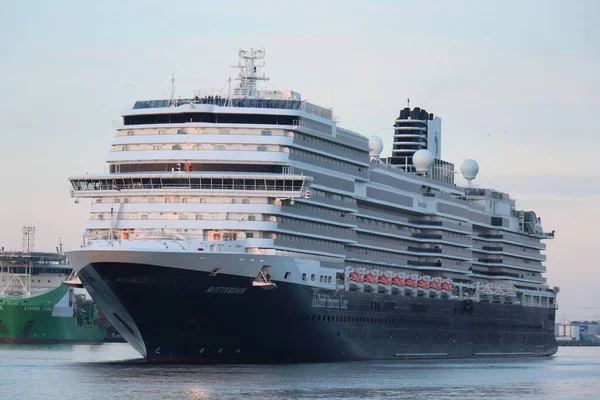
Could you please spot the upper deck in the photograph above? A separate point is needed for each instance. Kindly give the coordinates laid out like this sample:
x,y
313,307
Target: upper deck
x,y
270,104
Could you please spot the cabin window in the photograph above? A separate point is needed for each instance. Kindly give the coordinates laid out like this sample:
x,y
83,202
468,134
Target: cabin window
x,y
265,133
287,275
144,216
125,148
219,147
249,235
176,147
100,217
162,132
304,276
157,147
245,201
199,217
130,133
151,200
312,277
181,132
261,148
251,218
229,236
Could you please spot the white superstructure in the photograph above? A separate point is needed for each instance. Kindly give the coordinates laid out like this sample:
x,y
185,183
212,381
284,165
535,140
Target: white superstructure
x,y
28,273
265,176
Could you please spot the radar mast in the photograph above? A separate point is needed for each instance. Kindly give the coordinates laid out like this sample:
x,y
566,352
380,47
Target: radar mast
x,y
249,65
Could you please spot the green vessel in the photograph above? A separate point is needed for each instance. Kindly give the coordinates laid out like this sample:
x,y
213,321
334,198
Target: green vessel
x,y
37,307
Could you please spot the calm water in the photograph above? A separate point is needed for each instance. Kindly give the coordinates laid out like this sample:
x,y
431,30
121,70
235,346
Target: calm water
x,y
114,371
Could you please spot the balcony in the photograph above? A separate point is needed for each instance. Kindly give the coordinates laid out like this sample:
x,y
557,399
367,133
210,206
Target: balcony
x,y
424,250
490,260
425,263
426,236
487,236
492,248
422,222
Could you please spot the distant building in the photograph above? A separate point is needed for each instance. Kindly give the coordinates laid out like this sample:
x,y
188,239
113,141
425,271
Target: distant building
x,y
587,330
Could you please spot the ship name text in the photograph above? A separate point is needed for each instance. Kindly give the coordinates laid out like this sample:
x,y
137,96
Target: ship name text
x,y
323,300
225,290
36,308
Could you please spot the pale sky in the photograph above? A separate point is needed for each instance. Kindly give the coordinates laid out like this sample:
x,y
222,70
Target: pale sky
x,y
516,84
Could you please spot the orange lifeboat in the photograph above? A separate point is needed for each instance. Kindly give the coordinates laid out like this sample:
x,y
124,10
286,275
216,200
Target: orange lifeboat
x,y
356,277
410,285
398,284
435,287
398,280
384,279
446,288
371,280
384,282
423,285
356,280
410,282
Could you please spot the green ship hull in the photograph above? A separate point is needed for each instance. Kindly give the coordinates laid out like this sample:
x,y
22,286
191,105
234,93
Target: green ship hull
x,y
41,319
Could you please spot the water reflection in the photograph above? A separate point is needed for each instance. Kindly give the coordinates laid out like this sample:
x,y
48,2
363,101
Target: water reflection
x,y
115,371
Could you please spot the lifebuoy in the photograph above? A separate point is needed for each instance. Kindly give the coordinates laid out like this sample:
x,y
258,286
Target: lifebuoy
x,y
468,304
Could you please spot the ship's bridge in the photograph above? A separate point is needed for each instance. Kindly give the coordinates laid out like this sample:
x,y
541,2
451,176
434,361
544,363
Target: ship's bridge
x,y
269,185
256,103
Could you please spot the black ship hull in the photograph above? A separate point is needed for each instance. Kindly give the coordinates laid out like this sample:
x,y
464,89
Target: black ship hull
x,y
178,315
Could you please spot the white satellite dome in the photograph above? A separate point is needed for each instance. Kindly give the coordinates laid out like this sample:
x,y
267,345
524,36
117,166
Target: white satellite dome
x,y
375,146
469,169
423,161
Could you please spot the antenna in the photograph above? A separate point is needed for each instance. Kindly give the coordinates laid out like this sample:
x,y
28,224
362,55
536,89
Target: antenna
x,y
229,103
249,64
333,101
408,102
28,238
172,98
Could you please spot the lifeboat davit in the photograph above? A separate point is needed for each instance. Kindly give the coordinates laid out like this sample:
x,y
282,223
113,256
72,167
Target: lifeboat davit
x,y
371,281
446,287
398,284
356,280
435,287
384,282
410,285
510,296
423,285
485,293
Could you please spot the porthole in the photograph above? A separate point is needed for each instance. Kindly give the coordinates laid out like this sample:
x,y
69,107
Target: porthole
x,y
220,351
202,350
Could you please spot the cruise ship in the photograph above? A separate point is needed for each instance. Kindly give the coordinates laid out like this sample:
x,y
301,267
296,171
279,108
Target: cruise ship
x,y
249,227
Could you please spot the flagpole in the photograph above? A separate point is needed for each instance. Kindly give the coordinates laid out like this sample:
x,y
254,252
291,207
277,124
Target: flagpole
x,y
110,232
